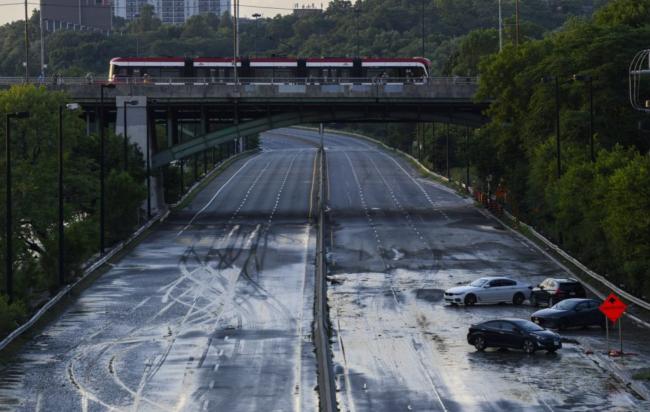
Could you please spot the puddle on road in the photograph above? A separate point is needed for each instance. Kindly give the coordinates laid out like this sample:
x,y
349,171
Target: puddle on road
x,y
430,295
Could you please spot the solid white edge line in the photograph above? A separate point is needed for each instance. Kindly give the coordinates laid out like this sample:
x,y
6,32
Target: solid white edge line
x,y
215,195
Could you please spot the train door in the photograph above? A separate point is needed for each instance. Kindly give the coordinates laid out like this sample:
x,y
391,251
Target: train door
x,y
301,71
188,68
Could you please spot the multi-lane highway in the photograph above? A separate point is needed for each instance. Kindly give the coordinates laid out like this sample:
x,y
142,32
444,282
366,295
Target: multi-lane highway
x,y
214,309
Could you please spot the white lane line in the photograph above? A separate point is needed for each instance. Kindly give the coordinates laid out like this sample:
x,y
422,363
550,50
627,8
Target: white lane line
x,y
424,192
216,194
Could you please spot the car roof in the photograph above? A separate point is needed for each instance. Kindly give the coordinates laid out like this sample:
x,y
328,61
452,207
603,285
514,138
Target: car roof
x,y
494,277
578,300
564,280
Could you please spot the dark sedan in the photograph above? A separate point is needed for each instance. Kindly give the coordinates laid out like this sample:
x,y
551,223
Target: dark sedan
x,y
570,313
513,333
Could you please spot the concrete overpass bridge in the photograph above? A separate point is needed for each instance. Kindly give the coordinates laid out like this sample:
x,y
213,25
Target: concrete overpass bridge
x,y
181,118
197,116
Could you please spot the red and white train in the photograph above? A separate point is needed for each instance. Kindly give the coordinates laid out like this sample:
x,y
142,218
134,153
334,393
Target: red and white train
x,y
127,69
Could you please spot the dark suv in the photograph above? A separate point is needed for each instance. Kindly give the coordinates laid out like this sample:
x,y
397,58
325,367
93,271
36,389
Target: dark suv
x,y
552,291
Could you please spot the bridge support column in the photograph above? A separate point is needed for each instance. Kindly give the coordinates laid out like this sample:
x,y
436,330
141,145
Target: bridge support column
x,y
136,118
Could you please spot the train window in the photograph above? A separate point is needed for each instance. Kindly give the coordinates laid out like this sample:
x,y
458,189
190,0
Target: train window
x,y
284,73
169,72
262,72
374,72
151,71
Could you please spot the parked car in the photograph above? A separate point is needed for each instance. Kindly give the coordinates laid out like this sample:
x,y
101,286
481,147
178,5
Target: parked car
x,y
489,290
570,313
513,333
552,291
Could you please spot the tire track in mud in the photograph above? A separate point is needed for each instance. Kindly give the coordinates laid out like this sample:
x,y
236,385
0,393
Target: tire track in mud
x,y
170,289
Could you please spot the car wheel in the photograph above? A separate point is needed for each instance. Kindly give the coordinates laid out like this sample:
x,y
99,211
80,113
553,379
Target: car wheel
x,y
529,346
518,299
479,343
534,302
551,350
470,300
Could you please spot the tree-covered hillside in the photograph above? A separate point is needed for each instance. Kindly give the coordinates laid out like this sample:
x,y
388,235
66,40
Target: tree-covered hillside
x,y
384,27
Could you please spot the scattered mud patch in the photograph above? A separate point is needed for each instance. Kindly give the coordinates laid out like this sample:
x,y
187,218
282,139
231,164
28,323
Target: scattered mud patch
x,y
430,295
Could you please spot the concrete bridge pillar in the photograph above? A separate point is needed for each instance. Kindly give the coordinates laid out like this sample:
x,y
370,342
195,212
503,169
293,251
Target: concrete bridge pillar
x,y
136,129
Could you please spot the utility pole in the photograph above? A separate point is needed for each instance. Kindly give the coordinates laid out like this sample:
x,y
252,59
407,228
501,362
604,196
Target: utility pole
x,y
26,45
40,15
516,22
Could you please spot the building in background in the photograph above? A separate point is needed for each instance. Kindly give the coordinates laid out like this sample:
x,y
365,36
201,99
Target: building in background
x,y
76,15
171,11
306,10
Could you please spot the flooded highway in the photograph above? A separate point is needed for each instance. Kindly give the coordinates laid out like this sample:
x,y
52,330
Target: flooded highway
x,y
397,241
214,309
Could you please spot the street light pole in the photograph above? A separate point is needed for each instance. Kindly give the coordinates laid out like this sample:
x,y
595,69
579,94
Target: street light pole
x,y
447,155
256,16
148,164
590,83
26,44
467,182
102,188
9,274
69,106
556,81
422,21
500,28
356,23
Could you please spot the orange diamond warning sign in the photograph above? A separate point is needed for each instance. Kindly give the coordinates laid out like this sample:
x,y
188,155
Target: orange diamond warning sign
x,y
613,307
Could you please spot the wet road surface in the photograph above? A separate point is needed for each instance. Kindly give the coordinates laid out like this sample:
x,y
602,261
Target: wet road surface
x,y
212,311
396,242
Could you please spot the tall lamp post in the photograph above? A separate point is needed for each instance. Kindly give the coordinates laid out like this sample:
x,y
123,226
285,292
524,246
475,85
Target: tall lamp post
x,y
357,10
102,188
126,138
256,16
590,84
556,81
9,274
149,125
69,106
422,21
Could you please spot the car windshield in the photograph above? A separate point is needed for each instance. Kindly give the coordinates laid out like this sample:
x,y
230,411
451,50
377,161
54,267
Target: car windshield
x,y
564,305
529,326
478,282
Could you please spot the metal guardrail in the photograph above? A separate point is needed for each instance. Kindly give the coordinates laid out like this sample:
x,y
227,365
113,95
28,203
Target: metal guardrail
x,y
206,81
575,262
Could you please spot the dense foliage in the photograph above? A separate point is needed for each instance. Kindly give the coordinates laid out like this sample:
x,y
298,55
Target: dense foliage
x,y
598,210
34,144
384,27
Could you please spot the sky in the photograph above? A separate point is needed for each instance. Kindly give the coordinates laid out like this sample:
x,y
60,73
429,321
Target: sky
x,y
11,10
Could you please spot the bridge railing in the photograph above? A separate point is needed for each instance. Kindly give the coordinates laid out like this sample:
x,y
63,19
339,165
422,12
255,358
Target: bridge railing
x,y
206,81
